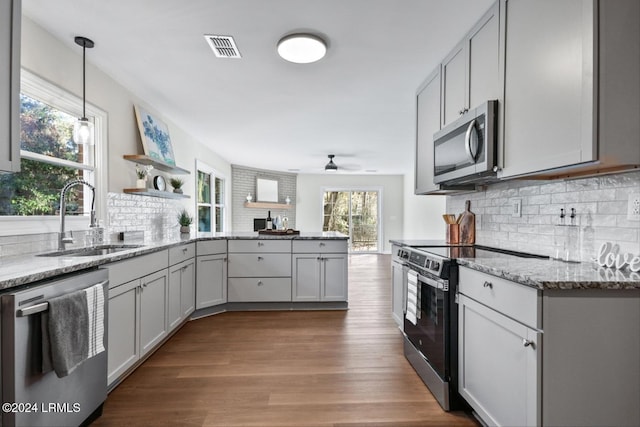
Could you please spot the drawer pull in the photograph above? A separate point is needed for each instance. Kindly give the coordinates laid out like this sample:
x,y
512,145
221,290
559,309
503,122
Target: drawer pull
x,y
184,251
260,244
527,343
322,244
260,283
488,285
260,258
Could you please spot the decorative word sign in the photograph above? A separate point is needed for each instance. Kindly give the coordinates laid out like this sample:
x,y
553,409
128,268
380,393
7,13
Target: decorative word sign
x,y
610,256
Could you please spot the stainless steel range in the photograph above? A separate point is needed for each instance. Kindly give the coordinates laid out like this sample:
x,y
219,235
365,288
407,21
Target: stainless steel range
x,y
430,322
431,314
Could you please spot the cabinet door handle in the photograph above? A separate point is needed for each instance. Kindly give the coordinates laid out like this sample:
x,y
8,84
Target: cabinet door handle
x,y
488,285
224,259
184,267
527,343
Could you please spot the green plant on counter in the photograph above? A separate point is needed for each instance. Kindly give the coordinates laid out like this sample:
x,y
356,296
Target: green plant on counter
x,y
184,218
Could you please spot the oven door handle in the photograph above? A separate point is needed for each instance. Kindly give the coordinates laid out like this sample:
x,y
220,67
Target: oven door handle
x,y
433,283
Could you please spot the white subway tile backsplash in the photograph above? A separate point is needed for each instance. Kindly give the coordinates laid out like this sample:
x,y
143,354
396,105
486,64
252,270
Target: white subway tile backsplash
x,y
600,204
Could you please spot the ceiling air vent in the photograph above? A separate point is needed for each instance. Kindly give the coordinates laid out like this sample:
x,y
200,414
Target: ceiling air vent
x,y
223,46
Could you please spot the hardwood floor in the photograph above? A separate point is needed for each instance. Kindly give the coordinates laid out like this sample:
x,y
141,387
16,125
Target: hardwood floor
x,y
286,368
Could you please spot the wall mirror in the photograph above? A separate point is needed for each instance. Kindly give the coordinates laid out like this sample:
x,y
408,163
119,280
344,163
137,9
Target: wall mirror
x,y
267,190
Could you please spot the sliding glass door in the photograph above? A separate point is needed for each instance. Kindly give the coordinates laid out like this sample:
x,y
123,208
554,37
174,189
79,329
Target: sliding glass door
x,y
354,213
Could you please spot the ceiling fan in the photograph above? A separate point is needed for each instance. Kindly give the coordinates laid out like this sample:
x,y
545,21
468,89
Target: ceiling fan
x,y
332,167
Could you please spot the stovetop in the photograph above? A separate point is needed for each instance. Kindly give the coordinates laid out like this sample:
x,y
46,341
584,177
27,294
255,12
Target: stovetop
x,y
438,259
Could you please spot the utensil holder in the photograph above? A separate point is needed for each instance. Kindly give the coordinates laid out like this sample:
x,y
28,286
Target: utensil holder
x,y
453,233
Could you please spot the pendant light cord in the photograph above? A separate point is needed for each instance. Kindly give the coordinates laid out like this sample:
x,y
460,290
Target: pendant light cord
x,y
84,82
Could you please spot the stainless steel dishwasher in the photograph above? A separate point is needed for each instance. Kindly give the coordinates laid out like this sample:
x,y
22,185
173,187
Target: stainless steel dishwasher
x,y
29,397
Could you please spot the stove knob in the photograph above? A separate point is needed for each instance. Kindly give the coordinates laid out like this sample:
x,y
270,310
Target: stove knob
x,y
427,263
435,265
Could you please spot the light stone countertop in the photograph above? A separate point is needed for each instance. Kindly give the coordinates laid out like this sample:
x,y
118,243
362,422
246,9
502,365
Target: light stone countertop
x,y
548,274
542,273
25,269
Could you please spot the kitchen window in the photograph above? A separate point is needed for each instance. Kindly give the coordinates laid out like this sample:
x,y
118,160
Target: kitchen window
x,y
30,199
210,207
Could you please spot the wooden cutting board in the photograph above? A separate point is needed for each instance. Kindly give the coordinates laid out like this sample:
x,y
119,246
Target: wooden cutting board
x,y
467,225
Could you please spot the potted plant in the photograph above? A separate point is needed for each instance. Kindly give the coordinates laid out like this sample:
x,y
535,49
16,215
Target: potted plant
x,y
176,183
185,220
142,172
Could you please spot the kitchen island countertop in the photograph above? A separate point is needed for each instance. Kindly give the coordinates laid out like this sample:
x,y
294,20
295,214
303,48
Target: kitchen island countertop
x,y
25,269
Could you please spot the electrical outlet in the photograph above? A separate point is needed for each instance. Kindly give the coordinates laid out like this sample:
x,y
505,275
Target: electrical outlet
x,y
516,211
633,207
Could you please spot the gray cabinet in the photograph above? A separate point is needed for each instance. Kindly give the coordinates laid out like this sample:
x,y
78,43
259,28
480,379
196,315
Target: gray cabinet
x,y
454,75
123,349
466,78
470,73
589,348
138,290
10,19
137,321
398,290
572,93
211,273
319,270
181,292
259,270
153,310
428,123
499,349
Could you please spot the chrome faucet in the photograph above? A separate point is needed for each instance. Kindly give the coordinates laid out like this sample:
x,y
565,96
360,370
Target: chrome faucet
x,y
62,240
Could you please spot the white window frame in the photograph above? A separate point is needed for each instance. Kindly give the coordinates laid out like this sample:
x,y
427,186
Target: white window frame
x,y
38,88
377,189
213,173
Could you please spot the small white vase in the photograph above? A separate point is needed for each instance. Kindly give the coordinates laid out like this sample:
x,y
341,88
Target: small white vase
x,y
141,183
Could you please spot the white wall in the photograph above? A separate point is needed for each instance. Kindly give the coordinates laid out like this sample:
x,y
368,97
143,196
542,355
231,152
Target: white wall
x,y
58,63
422,214
309,200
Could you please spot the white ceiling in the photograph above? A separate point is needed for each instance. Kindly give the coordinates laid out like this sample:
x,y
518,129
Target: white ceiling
x,y
261,111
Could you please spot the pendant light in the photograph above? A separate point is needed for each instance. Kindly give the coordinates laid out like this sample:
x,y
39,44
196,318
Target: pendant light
x,y
83,128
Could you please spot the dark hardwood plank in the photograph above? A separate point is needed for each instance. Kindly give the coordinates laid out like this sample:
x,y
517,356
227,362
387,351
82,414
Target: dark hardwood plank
x,y
286,368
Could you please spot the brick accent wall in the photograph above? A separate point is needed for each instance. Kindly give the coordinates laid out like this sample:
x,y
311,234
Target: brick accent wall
x,y
243,182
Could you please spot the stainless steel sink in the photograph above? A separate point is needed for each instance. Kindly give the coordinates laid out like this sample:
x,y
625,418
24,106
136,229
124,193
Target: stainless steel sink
x,y
92,251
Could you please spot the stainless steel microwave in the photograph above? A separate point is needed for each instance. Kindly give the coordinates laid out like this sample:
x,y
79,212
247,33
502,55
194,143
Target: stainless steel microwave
x,y
465,151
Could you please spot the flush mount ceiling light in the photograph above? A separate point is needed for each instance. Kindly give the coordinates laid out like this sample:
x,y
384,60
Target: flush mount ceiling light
x,y
331,167
302,48
83,128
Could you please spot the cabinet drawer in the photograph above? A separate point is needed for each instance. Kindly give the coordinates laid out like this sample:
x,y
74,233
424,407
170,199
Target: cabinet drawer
x,y
211,247
517,301
259,265
180,253
319,246
259,289
260,245
127,270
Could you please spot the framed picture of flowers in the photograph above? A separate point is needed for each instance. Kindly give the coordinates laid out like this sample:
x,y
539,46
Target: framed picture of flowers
x,y
155,136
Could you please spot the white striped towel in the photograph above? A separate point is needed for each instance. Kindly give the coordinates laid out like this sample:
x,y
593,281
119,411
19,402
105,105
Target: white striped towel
x,y
95,309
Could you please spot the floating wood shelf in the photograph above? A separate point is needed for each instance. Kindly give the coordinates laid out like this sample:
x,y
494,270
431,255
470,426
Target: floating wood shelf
x,y
146,160
155,193
266,205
